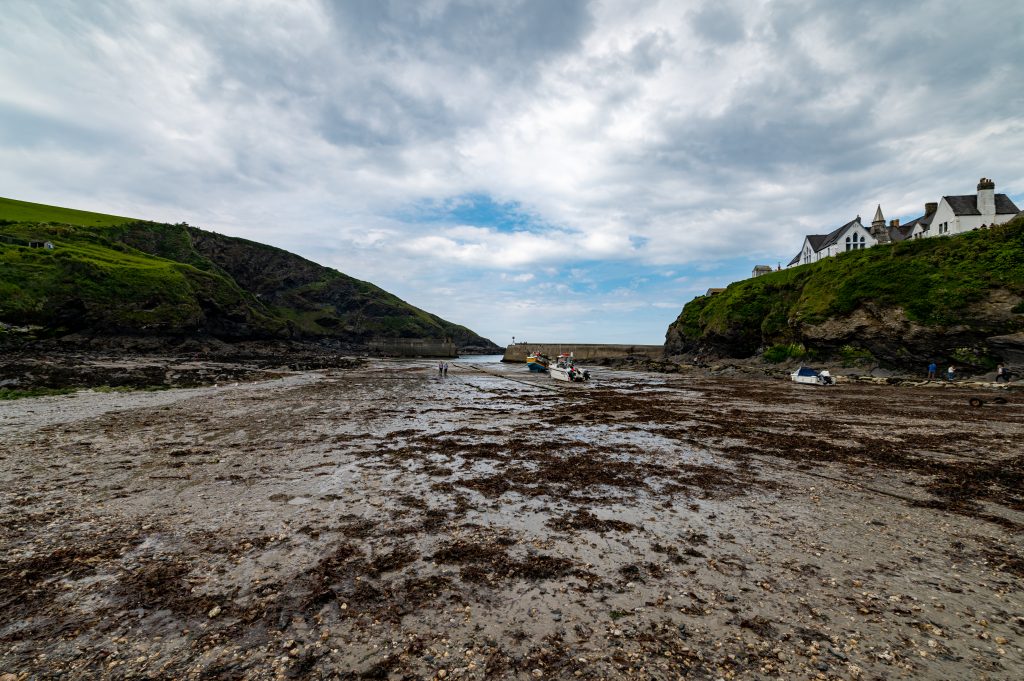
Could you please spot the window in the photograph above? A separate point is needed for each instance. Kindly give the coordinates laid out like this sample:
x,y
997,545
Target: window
x,y
855,241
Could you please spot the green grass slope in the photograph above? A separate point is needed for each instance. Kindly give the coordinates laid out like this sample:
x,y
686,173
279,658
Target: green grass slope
x,y
939,284
111,275
91,282
23,211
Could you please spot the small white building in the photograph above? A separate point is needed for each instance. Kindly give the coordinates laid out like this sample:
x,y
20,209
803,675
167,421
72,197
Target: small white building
x,y
957,214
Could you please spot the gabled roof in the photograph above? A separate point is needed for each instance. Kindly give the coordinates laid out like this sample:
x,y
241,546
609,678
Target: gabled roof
x,y
833,236
967,204
904,231
820,242
815,240
796,259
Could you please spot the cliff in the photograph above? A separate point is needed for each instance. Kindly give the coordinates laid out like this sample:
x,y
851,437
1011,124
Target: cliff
x,y
954,299
109,275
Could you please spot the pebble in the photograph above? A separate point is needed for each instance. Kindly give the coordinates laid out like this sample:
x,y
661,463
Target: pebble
x,y
214,611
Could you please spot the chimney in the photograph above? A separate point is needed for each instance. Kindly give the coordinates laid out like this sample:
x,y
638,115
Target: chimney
x,y
930,208
986,197
894,222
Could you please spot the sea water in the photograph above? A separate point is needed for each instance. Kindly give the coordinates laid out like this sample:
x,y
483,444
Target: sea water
x,y
482,359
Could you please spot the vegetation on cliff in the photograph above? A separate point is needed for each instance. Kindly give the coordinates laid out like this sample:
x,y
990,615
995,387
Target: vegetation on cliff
x,y
949,291
111,275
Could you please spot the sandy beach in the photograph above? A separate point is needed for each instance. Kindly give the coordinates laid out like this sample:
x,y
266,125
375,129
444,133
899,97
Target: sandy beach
x,y
385,522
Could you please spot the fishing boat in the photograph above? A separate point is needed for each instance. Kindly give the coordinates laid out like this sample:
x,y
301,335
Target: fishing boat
x,y
811,377
535,361
565,369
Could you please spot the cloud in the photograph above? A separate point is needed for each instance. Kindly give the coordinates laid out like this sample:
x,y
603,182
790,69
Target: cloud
x,y
456,152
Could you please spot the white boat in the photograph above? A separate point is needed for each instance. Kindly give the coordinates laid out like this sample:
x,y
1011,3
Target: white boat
x,y
811,377
565,369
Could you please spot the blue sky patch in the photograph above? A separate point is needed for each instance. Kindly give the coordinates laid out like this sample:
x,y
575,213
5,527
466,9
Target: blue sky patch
x,y
478,210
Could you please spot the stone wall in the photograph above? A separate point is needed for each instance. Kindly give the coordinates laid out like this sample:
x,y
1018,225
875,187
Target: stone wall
x,y
582,351
413,347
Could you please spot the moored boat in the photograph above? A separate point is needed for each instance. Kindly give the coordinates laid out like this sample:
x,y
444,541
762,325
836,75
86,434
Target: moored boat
x,y
565,369
535,361
810,376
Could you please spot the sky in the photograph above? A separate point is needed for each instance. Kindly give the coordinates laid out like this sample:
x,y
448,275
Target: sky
x,y
549,170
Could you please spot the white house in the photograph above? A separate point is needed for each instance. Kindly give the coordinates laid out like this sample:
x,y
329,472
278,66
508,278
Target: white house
x,y
918,228
957,214
849,237
951,215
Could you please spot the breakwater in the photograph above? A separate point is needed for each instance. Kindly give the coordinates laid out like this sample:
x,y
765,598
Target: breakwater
x,y
414,347
582,351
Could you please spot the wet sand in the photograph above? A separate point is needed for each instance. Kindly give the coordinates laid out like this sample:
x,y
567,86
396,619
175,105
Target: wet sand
x,y
388,523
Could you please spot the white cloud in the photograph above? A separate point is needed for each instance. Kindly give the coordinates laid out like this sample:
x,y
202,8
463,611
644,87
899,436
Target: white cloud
x,y
646,134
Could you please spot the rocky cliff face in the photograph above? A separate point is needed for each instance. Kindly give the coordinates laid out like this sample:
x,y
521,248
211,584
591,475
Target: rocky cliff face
x,y
885,333
958,300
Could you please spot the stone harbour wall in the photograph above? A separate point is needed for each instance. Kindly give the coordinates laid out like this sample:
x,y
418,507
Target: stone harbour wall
x,y
582,351
414,347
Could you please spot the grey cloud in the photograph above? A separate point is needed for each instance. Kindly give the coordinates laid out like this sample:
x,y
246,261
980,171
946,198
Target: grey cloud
x,y
27,130
942,47
511,37
718,23
379,115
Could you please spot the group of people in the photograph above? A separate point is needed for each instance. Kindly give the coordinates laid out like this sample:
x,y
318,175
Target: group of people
x,y
442,368
1002,373
933,370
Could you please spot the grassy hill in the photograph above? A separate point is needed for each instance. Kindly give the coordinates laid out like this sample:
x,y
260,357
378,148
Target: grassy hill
x,y
927,297
23,211
113,275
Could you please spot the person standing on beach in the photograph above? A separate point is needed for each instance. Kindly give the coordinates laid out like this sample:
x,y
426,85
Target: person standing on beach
x,y
950,373
1002,374
931,370
445,372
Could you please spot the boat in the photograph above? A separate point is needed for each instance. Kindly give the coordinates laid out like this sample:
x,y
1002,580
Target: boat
x,y
536,361
565,369
810,376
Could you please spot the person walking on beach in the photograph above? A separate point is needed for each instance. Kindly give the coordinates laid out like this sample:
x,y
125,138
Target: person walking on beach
x,y
931,370
445,372
950,373
1002,374
440,368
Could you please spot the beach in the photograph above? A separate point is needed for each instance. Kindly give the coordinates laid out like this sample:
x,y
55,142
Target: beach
x,y
382,521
